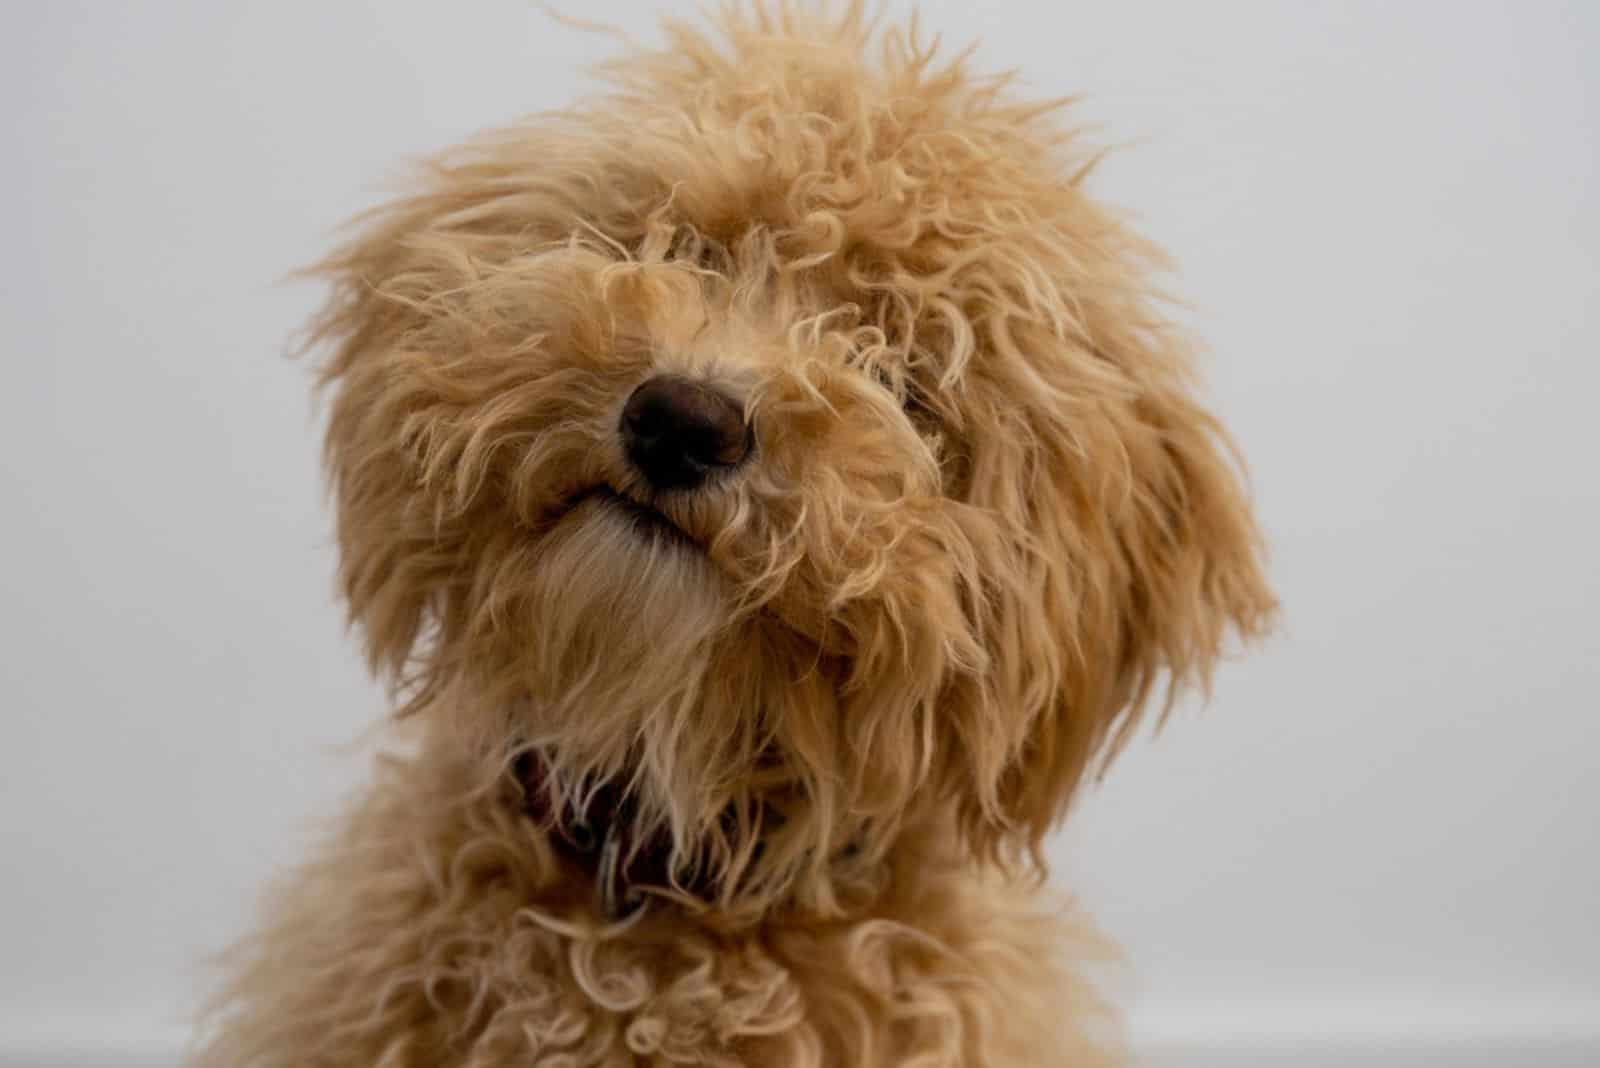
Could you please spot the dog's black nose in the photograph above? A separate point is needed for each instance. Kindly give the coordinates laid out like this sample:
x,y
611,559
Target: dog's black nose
x,y
676,431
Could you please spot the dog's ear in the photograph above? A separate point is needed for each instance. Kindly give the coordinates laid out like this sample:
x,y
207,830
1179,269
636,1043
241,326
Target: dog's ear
x,y
1127,549
410,371
391,557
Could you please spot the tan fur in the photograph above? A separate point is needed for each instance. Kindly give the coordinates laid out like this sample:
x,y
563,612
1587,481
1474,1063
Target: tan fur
x,y
985,516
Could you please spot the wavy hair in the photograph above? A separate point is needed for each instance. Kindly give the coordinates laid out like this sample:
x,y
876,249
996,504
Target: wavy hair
x,y
985,516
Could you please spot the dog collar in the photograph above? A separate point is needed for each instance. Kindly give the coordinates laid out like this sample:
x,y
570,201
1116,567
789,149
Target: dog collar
x,y
600,840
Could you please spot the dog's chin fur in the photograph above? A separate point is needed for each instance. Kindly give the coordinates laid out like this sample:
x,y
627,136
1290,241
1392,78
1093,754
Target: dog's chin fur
x,y
851,681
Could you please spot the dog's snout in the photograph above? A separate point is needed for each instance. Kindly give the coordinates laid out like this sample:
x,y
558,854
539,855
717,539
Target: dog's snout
x,y
677,431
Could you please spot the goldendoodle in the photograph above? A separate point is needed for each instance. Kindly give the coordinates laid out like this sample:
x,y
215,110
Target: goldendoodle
x,y
771,489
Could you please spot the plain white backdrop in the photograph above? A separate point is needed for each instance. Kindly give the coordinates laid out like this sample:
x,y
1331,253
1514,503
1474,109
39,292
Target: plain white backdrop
x,y
1383,829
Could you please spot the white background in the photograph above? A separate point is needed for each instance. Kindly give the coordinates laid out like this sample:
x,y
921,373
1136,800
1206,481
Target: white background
x,y
1382,828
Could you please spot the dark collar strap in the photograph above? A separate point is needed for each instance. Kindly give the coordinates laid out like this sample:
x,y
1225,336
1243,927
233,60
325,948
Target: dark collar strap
x,y
600,839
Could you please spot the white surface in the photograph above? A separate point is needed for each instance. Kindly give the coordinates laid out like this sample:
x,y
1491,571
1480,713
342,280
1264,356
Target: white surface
x,y
1386,217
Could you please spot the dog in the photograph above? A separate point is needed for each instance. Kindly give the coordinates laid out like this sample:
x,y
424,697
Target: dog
x,y
771,489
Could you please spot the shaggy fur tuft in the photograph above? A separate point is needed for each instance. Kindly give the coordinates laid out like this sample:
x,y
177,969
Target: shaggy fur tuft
x,y
854,681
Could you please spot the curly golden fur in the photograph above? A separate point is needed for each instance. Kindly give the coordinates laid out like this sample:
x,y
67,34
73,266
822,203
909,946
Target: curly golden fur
x,y
856,680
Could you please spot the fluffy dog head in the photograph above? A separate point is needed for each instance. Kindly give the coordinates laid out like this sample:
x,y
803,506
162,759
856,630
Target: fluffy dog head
x,y
915,509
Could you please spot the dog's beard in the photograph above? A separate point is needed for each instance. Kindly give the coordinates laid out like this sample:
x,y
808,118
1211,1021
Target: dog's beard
x,y
623,612
645,669
630,645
